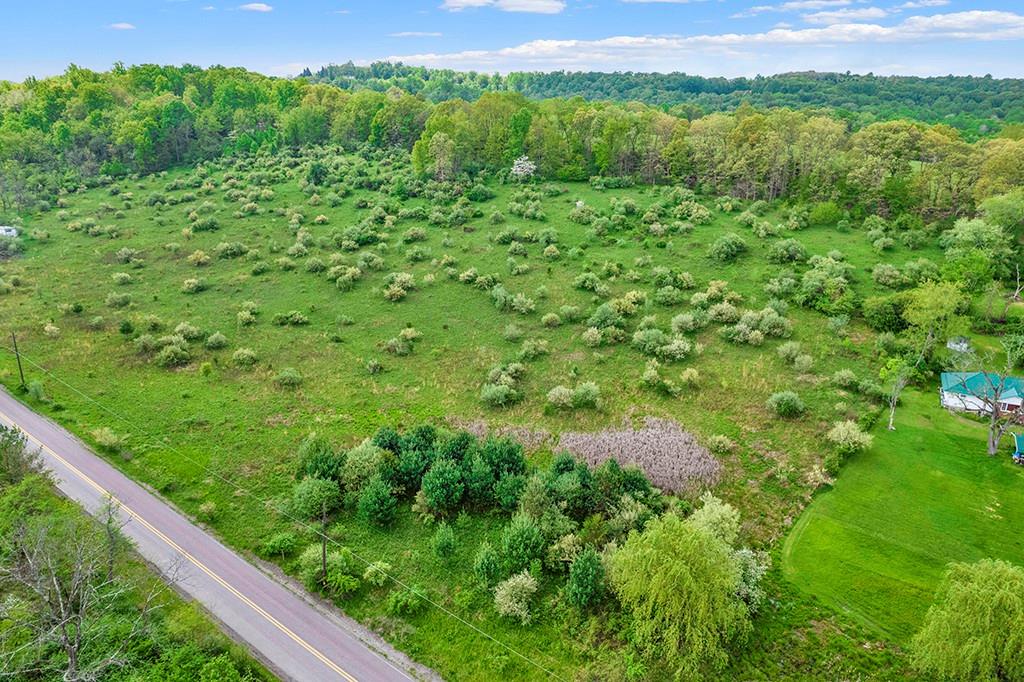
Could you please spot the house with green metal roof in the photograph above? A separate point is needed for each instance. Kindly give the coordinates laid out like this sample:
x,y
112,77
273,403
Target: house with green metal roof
x,y
978,391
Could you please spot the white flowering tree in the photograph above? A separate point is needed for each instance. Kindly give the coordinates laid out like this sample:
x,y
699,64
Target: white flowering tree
x,y
523,169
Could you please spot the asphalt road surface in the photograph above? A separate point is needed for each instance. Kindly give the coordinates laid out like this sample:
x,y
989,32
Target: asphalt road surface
x,y
296,639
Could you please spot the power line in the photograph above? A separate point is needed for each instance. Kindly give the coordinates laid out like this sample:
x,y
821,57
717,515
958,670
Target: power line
x,y
282,512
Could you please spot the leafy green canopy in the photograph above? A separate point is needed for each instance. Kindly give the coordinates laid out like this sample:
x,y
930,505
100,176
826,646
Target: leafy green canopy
x,y
975,629
679,582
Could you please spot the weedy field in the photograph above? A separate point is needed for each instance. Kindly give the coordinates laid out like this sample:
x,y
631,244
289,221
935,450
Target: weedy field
x,y
197,325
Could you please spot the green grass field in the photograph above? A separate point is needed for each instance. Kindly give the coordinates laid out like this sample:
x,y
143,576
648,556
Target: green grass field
x,y
924,495
220,441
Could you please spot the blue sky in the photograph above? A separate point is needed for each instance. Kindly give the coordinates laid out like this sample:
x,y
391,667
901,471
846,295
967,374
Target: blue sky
x,y
706,37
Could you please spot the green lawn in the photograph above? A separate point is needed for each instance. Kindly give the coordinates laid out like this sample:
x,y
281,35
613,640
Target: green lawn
x,y
925,494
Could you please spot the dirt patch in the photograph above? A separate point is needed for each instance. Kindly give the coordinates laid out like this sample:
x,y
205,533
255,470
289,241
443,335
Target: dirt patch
x,y
531,439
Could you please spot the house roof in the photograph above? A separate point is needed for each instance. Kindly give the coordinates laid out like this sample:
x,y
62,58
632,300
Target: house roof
x,y
981,384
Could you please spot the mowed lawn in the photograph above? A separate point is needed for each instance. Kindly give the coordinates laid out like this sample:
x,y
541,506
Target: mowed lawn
x,y
926,494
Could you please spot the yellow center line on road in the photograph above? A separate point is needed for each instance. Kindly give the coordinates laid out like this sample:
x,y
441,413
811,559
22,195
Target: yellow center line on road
x,y
171,543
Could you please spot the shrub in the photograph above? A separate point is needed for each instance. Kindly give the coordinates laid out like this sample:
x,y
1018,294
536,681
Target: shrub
x,y
173,356
106,438
292,318
443,487
728,247
289,377
586,579
312,497
377,503
498,395
560,397
848,437
592,336
803,363
887,275
317,458
244,357
844,378
486,565
724,313
406,602
443,542
521,543
362,464
721,444
118,300
787,251
377,573
786,404
188,331
508,489
512,596
551,320
789,351
216,341
648,341
280,545
586,394
718,518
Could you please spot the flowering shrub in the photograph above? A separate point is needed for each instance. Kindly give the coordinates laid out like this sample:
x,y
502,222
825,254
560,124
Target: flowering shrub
x,y
500,389
848,437
728,247
523,168
512,596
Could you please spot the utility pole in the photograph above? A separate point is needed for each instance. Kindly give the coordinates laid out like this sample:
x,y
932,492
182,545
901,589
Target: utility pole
x,y
21,372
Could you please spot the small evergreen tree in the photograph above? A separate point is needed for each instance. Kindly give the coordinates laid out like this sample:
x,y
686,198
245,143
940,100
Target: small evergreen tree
x,y
377,503
586,579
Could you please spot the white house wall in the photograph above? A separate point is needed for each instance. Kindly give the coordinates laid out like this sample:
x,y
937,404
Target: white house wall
x,y
961,402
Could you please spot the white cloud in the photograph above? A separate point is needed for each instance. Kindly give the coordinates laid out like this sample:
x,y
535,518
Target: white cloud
x,y
342,11
415,34
208,8
663,2
122,26
838,16
532,6
792,6
918,4
256,7
749,53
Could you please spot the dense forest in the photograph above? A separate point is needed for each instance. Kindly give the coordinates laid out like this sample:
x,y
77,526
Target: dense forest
x,y
974,105
85,127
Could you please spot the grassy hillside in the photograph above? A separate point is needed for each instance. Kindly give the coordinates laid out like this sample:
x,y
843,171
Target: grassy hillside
x,y
219,438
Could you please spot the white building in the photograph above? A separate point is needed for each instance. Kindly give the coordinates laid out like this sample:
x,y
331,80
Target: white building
x,y
975,391
8,231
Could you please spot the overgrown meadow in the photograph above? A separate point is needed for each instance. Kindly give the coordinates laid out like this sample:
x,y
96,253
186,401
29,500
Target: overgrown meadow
x,y
197,325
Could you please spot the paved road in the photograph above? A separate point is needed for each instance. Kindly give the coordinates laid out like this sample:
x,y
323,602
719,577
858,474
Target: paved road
x,y
296,639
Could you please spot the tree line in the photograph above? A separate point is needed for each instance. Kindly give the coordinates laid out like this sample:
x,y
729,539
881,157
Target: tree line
x,y
82,126
974,105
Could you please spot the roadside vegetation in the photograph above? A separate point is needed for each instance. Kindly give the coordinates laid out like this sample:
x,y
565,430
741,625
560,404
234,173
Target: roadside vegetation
x,y
79,604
